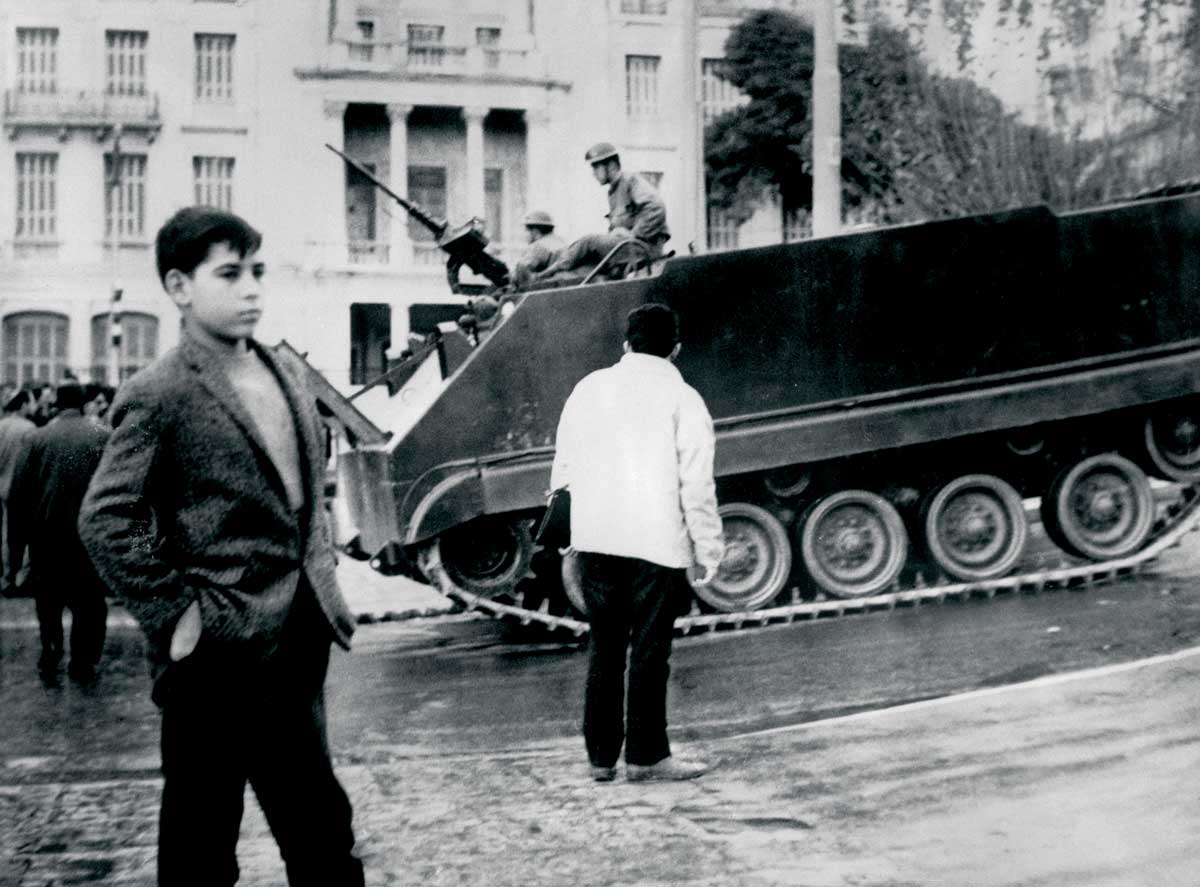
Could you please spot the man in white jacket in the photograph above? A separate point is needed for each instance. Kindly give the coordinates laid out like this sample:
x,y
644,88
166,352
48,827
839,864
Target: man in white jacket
x,y
635,448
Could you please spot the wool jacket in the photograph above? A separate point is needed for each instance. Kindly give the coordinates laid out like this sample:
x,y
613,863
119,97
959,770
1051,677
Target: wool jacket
x,y
14,438
187,505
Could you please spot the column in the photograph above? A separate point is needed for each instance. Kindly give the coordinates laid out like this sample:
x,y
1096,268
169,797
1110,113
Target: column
x,y
475,201
335,246
537,164
400,249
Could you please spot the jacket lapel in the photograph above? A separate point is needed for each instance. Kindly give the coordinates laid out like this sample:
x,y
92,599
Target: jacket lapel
x,y
216,382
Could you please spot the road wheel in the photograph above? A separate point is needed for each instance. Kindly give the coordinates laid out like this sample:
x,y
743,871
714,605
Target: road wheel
x,y
975,527
853,543
1171,441
1100,508
486,557
757,561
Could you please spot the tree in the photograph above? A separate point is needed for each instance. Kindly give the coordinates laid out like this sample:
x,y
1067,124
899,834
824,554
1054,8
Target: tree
x,y
920,142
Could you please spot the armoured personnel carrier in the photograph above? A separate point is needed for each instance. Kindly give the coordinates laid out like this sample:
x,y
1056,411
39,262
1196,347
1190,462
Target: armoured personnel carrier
x,y
886,403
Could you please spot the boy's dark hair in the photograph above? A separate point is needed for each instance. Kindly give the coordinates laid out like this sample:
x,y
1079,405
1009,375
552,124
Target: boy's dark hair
x,y
68,396
18,400
652,329
184,240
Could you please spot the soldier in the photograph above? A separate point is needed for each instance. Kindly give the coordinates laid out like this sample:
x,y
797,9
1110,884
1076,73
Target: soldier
x,y
636,212
544,247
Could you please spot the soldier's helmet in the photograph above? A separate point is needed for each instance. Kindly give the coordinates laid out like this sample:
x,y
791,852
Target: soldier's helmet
x,y
600,152
538,218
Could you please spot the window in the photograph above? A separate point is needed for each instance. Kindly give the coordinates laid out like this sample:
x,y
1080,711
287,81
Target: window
x,y
797,224
36,197
493,203
425,46
362,217
722,230
489,40
363,49
37,60
138,344
641,86
644,7
125,53
426,188
125,197
214,67
719,95
370,338
213,177
35,347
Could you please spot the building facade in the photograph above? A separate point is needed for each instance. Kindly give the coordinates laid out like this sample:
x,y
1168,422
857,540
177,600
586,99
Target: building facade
x,y
118,112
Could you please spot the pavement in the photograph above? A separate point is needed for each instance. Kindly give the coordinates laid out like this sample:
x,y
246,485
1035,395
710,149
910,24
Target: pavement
x,y
372,597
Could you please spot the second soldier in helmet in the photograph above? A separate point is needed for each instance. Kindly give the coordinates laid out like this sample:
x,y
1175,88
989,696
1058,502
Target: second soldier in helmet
x,y
543,247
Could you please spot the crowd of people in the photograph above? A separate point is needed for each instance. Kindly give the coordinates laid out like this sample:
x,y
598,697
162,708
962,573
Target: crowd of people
x,y
51,437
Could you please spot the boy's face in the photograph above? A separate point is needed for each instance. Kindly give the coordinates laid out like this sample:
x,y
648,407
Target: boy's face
x,y
222,298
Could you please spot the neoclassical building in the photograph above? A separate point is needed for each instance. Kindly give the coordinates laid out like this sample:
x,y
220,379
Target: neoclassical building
x,y
118,112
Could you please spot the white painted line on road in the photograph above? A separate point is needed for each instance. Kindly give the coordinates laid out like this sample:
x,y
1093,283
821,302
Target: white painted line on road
x,y
1035,684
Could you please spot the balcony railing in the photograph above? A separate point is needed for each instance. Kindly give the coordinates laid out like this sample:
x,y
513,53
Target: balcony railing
x,y
81,109
644,7
368,252
404,57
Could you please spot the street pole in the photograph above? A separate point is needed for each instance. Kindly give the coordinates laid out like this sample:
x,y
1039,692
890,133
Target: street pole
x,y
827,121
114,314
693,83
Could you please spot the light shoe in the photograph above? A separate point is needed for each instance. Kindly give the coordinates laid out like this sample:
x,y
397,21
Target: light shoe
x,y
603,774
668,769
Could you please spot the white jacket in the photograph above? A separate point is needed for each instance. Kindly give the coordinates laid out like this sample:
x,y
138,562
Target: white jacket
x,y
635,447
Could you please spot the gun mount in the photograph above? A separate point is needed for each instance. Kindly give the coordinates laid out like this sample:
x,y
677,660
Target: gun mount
x,y
464,244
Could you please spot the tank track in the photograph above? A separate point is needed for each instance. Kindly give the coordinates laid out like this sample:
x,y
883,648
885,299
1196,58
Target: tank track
x,y
1179,518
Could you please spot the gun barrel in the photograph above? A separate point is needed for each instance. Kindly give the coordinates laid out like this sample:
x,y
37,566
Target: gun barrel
x,y
437,226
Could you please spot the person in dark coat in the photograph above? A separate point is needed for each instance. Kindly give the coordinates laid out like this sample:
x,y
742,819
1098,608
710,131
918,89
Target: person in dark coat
x,y
48,484
206,518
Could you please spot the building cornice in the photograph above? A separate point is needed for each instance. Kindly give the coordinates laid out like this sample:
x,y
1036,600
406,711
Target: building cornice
x,y
442,79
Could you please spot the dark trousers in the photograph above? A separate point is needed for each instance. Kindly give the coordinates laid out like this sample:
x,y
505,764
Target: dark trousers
x,y
631,607
590,249
89,614
227,723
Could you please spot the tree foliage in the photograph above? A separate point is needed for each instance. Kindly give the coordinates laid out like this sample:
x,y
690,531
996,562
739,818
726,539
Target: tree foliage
x,y
920,143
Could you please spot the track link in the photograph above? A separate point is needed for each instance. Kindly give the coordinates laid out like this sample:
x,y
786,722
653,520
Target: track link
x,y
1181,517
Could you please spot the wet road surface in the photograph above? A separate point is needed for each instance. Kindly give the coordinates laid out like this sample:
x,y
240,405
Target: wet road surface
x,y
439,729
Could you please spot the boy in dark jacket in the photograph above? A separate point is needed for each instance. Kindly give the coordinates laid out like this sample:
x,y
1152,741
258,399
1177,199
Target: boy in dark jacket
x,y
205,517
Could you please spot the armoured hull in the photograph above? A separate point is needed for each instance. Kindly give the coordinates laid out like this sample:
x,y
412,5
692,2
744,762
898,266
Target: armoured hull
x,y
853,380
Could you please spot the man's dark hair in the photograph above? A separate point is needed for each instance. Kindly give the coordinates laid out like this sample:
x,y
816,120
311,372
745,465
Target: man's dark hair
x,y
18,400
68,396
652,329
184,240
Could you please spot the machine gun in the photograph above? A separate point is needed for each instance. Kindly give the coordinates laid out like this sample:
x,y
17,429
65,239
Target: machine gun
x,y
465,244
